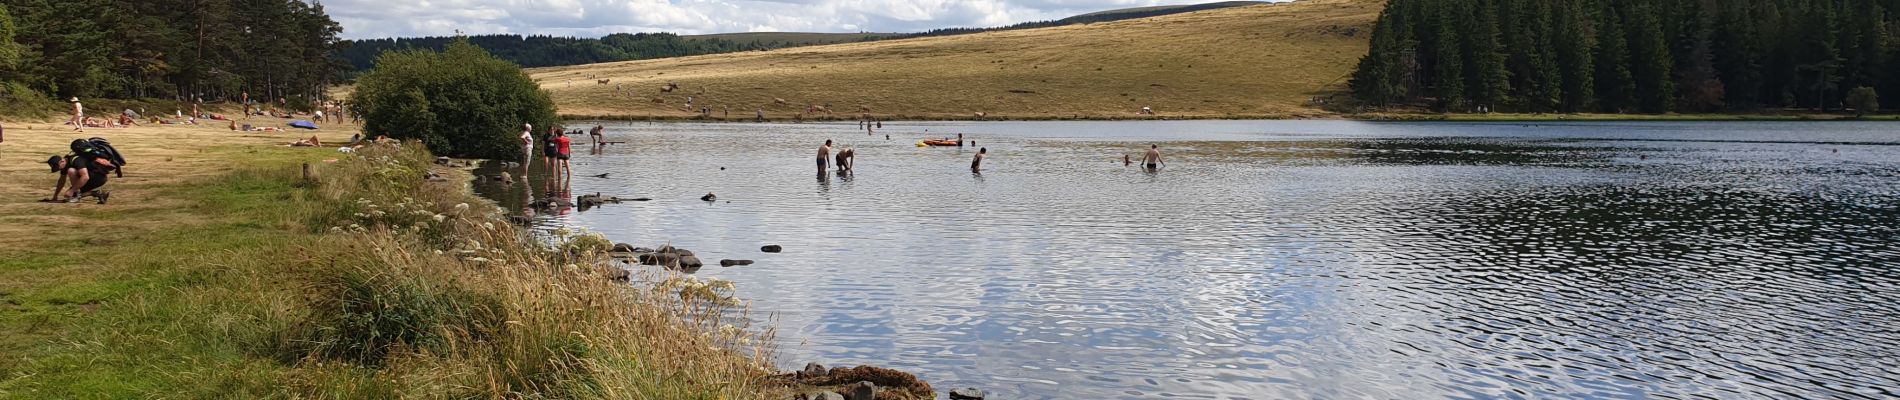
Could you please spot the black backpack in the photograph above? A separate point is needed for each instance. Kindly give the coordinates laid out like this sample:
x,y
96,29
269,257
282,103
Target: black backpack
x,y
99,147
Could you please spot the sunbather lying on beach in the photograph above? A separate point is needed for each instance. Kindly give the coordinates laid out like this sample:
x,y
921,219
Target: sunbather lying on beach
x,y
311,142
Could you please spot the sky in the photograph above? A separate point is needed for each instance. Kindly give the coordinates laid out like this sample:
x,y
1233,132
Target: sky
x,y
363,19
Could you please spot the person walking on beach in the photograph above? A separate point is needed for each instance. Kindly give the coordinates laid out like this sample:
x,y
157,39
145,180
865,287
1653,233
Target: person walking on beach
x,y
79,115
1152,160
976,164
824,155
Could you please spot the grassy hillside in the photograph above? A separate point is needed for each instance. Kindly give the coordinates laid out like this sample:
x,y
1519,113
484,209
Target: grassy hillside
x,y
1138,10
1255,61
795,38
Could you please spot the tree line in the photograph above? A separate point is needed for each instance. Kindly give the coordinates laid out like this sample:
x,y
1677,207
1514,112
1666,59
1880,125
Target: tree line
x,y
549,51
1622,56
181,49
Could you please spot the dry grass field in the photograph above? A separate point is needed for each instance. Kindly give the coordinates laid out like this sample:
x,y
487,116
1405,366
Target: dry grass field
x,y
1264,61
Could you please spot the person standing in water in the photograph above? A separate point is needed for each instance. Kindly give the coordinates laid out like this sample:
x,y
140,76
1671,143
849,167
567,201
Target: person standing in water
x,y
977,163
846,159
562,152
824,155
1152,160
527,143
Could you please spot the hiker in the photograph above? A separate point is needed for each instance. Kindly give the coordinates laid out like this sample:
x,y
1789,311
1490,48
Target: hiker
x,y
847,158
977,163
1152,160
86,171
527,142
79,115
596,134
824,154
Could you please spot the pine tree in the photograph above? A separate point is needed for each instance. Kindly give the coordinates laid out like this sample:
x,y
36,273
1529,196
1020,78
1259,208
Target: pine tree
x,y
1574,60
1376,81
1650,62
1737,47
1448,61
1698,87
1490,83
1616,87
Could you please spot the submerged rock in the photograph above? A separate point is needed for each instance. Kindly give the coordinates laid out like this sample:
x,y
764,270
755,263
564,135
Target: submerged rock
x,y
966,394
626,248
772,248
686,262
729,263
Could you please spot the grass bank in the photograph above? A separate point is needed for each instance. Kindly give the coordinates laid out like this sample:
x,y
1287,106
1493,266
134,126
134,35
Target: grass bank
x,y
218,271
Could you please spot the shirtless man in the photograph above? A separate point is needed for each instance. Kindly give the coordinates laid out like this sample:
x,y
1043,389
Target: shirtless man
x,y
596,134
824,155
847,158
977,163
1152,160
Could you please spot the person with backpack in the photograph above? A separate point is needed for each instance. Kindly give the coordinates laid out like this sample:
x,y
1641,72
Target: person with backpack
x,y
86,170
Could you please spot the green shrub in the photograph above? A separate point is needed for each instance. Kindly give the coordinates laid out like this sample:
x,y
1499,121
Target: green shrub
x,y
364,313
1863,100
462,102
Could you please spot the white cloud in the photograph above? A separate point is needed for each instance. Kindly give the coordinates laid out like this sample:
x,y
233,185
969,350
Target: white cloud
x,y
363,19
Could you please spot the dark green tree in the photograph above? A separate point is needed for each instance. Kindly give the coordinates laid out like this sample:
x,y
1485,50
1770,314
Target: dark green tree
x,y
1376,81
1863,100
1616,86
1651,63
461,102
1490,82
1448,77
1574,58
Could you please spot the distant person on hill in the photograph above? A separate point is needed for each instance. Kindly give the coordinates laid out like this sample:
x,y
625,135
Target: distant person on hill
x,y
1152,160
79,115
761,115
245,99
976,164
824,155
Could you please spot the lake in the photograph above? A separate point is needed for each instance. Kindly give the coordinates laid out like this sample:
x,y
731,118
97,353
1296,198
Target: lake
x,y
1295,259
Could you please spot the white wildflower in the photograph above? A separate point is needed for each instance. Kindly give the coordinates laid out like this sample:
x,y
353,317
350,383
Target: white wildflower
x,y
440,217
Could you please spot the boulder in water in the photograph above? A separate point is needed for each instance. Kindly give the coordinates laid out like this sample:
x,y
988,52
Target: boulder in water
x,y
771,248
966,394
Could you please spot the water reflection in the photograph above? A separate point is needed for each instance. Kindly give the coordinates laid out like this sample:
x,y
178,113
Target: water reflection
x,y
1301,259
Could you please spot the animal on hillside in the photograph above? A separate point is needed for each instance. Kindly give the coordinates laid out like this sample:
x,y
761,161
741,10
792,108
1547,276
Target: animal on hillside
x,y
603,81
778,101
980,115
669,88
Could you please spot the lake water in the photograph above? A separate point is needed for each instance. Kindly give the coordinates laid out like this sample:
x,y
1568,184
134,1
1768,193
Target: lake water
x,y
1290,259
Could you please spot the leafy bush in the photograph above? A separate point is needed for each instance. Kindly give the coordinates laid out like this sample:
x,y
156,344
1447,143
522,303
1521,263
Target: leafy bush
x,y
460,102
1863,100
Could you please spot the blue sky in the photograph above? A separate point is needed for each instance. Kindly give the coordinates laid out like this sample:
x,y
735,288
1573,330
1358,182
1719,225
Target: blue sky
x,y
591,18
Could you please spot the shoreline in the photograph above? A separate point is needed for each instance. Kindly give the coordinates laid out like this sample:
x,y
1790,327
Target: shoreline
x,y
1325,117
